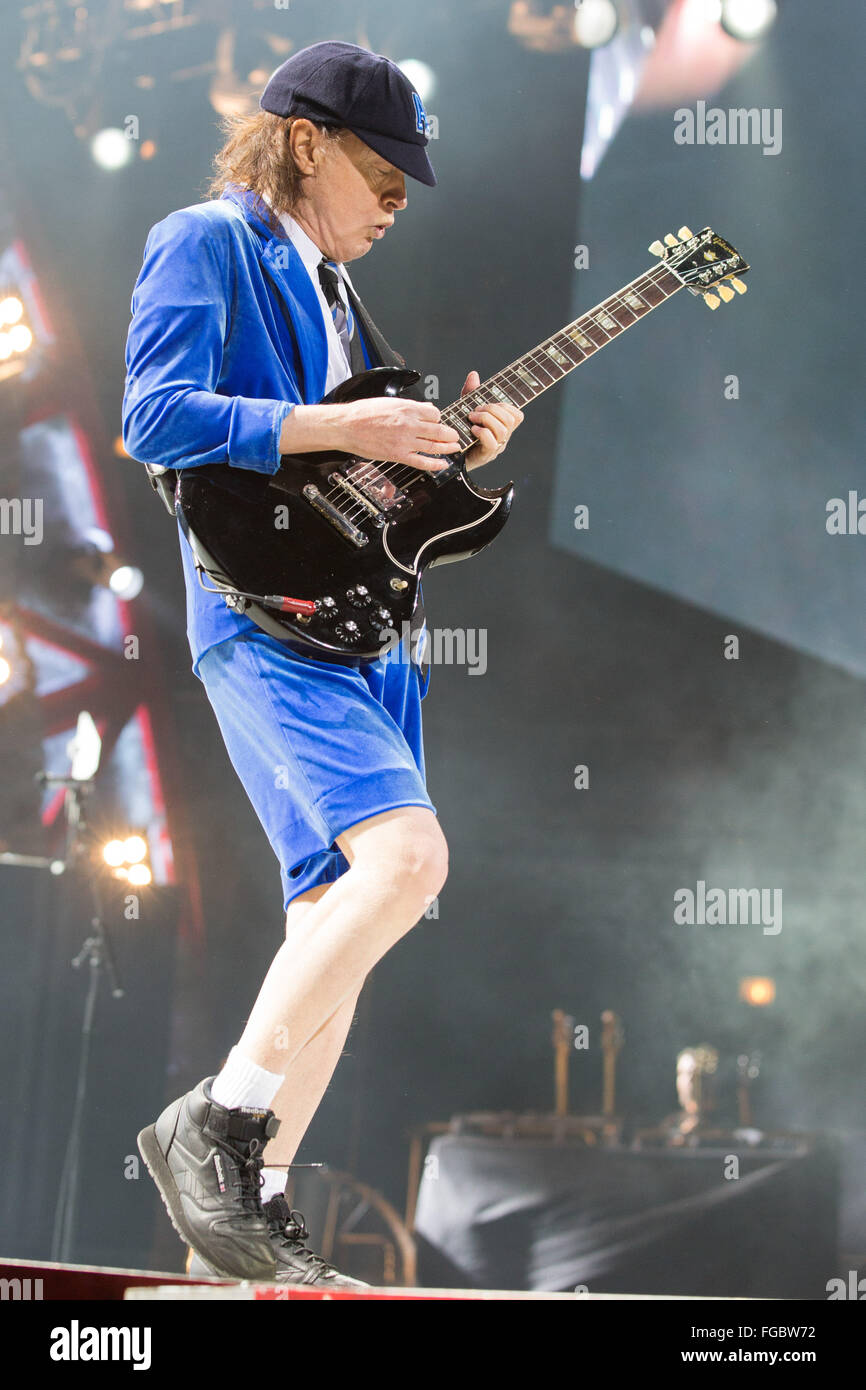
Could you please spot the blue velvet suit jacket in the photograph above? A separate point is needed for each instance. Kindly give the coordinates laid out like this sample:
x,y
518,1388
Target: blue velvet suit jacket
x,y
213,366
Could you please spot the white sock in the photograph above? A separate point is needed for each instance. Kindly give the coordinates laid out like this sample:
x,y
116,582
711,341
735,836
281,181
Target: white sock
x,y
274,1184
242,1082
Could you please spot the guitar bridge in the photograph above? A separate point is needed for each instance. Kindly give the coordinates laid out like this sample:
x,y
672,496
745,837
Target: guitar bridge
x,y
335,516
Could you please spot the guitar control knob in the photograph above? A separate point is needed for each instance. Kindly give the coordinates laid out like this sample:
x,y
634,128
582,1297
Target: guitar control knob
x,y
383,615
327,607
347,631
359,596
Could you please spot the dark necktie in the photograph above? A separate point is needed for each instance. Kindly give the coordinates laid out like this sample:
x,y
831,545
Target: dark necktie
x,y
345,321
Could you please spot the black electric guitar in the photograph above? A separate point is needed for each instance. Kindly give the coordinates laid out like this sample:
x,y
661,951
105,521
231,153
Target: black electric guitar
x,y
327,553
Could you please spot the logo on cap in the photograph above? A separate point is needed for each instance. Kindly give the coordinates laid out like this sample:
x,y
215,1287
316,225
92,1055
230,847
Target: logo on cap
x,y
421,121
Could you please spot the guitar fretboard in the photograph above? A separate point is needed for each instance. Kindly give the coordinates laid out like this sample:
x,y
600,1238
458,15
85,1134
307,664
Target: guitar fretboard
x,y
558,355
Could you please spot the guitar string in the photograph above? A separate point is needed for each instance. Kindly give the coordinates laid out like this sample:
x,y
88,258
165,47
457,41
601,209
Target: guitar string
x,y
642,282
508,376
539,357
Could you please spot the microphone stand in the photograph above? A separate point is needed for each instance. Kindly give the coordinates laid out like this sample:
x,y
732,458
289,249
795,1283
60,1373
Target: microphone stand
x,y
96,951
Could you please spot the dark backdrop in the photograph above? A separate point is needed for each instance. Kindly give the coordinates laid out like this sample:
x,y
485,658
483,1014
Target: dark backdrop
x,y
749,773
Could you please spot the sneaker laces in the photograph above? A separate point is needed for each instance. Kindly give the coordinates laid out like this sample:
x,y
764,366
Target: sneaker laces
x,y
291,1226
248,1178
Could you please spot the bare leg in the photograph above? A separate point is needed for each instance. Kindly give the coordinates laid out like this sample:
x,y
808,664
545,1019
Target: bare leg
x,y
308,1078
398,863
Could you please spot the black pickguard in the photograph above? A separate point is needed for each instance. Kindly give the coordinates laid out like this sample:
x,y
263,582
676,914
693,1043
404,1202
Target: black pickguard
x,y
230,517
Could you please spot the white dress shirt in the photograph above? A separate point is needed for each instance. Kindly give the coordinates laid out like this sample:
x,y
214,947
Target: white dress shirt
x,y
338,365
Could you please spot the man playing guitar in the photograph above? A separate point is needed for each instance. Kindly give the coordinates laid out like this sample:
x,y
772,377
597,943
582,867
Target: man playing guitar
x,y
244,318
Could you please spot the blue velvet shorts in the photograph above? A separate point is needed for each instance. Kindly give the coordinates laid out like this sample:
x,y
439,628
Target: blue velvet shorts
x,y
317,746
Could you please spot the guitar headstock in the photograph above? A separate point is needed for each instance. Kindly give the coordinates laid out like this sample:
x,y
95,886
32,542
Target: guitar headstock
x,y
704,262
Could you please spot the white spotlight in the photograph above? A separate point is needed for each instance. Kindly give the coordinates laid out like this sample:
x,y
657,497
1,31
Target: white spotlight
x,y
20,337
595,22
421,75
85,748
111,149
11,309
127,582
134,849
748,20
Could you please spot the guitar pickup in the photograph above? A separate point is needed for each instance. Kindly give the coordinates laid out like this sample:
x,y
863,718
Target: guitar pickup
x,y
374,487
356,495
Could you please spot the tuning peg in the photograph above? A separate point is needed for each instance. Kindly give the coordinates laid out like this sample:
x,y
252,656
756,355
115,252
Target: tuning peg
x,y
726,292
739,286
670,240
656,249
685,234
711,299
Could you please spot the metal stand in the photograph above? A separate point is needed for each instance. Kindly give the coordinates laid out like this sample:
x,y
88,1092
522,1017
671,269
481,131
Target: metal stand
x,y
96,950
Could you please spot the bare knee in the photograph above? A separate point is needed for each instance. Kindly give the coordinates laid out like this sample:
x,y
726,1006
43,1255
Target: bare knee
x,y
405,850
421,860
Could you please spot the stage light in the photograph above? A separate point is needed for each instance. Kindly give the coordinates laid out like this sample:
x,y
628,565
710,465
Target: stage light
x,y
20,337
757,990
421,75
134,849
96,562
17,674
126,859
16,336
127,582
11,309
84,748
595,22
111,149
748,20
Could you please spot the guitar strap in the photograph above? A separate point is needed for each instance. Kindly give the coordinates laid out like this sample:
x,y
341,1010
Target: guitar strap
x,y
376,340
378,344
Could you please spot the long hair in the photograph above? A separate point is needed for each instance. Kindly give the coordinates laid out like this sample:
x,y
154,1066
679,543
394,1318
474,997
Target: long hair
x,y
257,155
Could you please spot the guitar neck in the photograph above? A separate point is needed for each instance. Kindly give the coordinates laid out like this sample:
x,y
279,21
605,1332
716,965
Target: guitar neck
x,y
553,359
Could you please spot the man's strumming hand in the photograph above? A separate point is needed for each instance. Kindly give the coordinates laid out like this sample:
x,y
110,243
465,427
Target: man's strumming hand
x,y
379,428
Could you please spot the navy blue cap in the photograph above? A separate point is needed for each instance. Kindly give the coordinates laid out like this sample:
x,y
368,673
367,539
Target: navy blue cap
x,y
342,84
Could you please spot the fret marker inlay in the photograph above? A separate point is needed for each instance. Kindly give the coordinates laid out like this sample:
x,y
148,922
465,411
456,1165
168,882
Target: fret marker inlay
x,y
558,357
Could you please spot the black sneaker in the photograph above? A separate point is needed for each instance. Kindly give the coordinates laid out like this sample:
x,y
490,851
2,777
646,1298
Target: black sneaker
x,y
207,1161
295,1263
